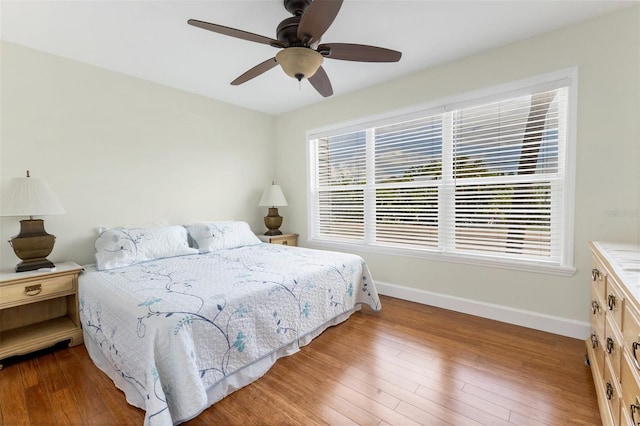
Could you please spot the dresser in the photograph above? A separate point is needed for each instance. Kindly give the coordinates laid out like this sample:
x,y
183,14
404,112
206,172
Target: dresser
x,y
613,347
39,309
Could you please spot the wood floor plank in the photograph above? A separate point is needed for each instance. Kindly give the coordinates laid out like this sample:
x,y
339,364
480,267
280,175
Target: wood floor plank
x,y
520,420
13,407
372,406
548,415
65,408
30,373
51,374
77,369
468,405
408,364
353,412
305,393
115,402
371,392
39,405
422,416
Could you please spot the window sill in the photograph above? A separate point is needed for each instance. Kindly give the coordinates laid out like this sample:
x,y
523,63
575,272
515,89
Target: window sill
x,y
437,255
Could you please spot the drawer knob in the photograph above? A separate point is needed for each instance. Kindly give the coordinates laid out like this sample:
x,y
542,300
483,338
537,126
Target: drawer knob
x,y
33,290
635,356
285,243
609,391
595,274
611,302
594,341
634,409
595,307
610,345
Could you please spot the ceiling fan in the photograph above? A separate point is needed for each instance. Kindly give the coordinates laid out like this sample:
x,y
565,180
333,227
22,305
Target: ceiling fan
x,y
298,37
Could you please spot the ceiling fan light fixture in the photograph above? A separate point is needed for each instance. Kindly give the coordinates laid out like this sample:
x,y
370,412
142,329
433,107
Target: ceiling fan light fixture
x,y
299,62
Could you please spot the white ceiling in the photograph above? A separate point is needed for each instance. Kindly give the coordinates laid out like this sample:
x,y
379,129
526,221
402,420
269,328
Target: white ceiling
x,y
151,40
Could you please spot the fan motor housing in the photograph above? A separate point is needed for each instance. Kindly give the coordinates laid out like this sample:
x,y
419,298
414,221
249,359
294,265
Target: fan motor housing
x,y
296,7
287,31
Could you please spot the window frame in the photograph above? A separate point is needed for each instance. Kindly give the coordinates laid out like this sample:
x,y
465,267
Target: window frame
x,y
565,267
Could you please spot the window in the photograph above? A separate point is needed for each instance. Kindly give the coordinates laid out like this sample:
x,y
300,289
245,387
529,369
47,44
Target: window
x,y
484,180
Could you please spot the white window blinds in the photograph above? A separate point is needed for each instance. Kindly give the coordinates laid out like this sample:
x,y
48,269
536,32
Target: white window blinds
x,y
340,178
506,172
407,172
486,179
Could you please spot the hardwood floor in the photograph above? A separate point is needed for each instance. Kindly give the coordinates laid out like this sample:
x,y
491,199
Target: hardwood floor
x,y
408,364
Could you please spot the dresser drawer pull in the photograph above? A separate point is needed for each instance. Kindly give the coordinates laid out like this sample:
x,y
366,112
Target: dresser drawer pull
x,y
611,302
33,290
635,357
594,341
595,307
595,274
285,243
610,345
634,409
609,391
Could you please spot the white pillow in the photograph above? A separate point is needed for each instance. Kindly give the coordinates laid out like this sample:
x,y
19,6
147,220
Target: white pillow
x,y
212,236
127,246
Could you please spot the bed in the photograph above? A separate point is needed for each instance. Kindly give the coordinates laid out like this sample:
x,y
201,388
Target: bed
x,y
179,317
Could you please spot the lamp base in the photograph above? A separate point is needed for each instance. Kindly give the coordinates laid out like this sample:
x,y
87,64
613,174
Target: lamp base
x,y
273,221
34,265
32,245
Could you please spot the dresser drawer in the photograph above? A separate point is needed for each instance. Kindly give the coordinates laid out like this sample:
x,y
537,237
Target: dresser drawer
x,y
631,335
595,351
598,274
614,301
612,345
613,393
597,317
35,289
630,390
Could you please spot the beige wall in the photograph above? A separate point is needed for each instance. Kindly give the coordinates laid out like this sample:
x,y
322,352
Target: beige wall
x,y
119,150
607,54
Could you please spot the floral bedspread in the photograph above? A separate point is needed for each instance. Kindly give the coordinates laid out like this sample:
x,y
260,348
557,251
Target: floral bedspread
x,y
173,328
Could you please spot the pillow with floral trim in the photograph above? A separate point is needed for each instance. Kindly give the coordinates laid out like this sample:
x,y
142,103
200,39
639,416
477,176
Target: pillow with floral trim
x,y
120,247
212,236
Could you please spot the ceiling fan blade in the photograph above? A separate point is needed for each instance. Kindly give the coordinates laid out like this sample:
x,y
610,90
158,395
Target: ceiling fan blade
x,y
358,52
317,19
320,81
255,71
232,32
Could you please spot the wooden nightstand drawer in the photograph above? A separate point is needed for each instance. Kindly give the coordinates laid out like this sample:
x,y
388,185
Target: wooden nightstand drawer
x,y
284,239
34,290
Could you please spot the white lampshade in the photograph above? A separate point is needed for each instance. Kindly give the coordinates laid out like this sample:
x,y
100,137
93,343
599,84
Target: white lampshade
x,y
29,196
273,197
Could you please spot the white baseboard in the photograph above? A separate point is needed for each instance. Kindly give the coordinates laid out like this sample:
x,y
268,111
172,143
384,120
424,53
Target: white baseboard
x,y
552,324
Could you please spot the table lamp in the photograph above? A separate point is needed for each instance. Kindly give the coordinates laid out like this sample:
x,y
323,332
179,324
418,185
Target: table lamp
x,y
30,197
273,197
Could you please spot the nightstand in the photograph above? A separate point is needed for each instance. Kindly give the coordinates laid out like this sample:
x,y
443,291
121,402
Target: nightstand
x,y
284,239
39,309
